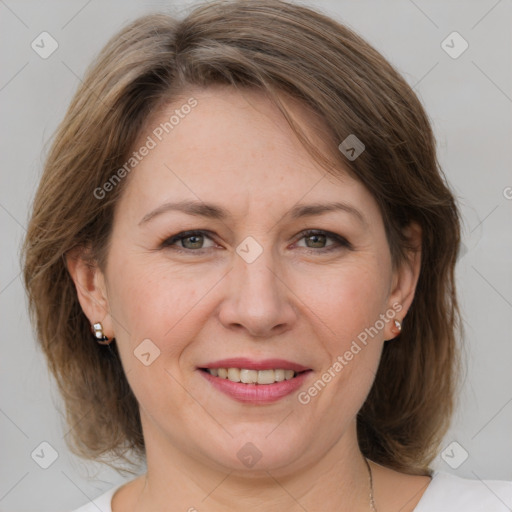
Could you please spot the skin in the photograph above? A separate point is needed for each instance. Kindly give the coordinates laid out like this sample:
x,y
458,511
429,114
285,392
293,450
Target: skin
x,y
296,301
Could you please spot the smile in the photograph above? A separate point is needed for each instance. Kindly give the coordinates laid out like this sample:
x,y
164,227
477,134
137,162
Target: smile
x,y
256,382
247,376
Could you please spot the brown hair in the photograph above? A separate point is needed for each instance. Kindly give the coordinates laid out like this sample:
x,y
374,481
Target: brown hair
x,y
280,49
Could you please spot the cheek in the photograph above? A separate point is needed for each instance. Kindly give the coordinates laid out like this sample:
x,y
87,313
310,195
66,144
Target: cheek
x,y
152,303
157,302
348,306
346,300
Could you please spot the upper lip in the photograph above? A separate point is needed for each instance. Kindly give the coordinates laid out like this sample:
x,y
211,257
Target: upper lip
x,y
253,364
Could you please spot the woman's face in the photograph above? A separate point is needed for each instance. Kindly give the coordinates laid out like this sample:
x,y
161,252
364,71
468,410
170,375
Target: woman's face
x,y
287,268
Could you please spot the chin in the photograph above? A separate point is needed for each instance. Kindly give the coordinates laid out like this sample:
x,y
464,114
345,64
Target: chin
x,y
255,452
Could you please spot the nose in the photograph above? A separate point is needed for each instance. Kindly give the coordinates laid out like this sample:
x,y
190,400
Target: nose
x,y
258,300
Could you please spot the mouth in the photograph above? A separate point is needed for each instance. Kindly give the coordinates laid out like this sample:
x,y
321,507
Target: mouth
x,y
248,376
256,382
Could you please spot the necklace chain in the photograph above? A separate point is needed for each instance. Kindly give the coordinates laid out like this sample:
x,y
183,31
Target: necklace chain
x,y
370,476
372,501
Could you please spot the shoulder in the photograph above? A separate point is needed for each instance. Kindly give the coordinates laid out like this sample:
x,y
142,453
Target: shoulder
x,y
102,502
120,497
450,493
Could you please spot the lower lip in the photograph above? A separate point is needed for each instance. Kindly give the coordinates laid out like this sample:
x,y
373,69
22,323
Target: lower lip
x,y
256,393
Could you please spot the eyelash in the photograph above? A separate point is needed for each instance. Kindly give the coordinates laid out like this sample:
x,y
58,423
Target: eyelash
x,y
340,242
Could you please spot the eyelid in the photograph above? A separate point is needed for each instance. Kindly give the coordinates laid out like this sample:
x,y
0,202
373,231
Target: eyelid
x,y
171,241
339,240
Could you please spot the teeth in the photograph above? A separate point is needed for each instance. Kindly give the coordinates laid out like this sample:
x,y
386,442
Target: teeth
x,y
248,376
234,374
279,375
252,376
266,377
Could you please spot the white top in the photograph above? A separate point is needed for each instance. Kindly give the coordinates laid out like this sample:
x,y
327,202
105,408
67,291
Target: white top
x,y
445,493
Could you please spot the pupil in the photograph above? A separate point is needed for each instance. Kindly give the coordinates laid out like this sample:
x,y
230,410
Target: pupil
x,y
193,241
318,240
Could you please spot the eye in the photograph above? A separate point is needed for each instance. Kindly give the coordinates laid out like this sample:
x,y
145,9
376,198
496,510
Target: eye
x,y
315,240
189,240
318,239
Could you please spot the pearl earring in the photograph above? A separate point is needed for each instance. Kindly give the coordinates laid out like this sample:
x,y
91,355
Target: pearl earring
x,y
97,330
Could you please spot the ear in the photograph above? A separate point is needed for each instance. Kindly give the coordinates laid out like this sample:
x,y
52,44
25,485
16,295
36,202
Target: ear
x,y
90,288
405,278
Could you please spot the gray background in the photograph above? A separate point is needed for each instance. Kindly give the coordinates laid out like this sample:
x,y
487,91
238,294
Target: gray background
x,y
469,100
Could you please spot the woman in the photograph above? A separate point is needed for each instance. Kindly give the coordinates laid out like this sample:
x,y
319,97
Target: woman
x,y
241,264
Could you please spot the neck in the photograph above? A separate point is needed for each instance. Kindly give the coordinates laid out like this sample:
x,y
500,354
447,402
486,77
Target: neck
x,y
338,480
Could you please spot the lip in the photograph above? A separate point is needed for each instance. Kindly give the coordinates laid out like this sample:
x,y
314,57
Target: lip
x,y
251,364
256,393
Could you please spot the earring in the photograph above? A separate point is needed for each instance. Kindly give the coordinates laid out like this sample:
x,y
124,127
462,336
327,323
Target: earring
x,y
398,326
97,330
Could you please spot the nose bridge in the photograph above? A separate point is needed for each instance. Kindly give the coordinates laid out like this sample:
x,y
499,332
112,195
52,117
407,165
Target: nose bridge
x,y
258,279
257,299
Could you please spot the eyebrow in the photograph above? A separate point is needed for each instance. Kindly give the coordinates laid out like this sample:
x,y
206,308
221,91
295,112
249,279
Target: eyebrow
x,y
212,211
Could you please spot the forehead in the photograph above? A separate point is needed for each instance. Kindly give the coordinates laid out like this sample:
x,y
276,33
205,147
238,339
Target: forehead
x,y
234,147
